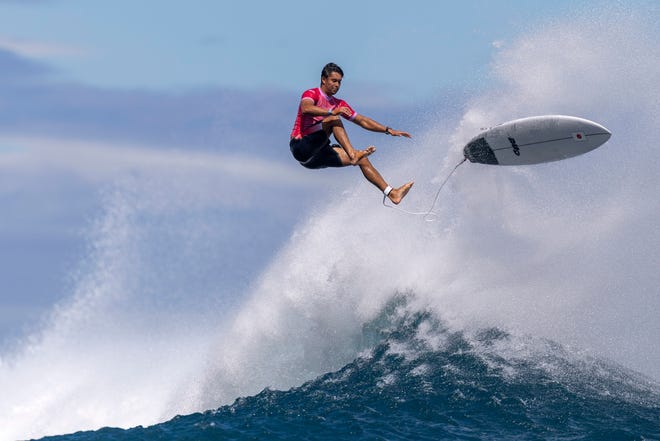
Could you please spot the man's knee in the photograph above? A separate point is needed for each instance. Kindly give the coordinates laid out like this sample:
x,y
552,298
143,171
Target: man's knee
x,y
332,122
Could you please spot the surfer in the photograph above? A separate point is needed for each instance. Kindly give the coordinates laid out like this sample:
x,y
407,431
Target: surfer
x,y
319,116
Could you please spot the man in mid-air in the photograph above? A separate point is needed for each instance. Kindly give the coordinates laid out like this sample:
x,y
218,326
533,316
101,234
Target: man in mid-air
x,y
319,117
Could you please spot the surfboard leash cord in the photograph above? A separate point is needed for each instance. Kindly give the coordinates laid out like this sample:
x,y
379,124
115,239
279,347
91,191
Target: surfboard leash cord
x,y
429,215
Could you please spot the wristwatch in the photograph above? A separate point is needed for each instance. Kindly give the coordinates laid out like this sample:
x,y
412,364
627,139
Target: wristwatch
x,y
387,131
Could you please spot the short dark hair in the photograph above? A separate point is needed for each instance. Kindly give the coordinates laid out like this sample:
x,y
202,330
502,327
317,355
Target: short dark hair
x,y
329,68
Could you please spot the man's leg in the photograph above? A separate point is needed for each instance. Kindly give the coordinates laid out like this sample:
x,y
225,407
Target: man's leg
x,y
333,125
373,176
349,156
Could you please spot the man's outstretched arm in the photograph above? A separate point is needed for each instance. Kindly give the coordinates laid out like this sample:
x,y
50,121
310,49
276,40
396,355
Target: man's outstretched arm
x,y
367,123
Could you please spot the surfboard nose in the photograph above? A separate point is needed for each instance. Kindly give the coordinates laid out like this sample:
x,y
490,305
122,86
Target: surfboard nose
x,y
600,134
601,129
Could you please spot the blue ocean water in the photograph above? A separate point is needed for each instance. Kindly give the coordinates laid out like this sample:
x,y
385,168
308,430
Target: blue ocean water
x,y
406,389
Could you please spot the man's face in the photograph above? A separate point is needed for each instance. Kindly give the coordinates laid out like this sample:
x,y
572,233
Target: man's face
x,y
331,84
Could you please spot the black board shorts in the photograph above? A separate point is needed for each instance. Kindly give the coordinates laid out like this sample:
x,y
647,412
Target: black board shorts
x,y
315,151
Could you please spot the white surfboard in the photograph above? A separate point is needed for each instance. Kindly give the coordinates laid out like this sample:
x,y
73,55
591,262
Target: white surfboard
x,y
535,140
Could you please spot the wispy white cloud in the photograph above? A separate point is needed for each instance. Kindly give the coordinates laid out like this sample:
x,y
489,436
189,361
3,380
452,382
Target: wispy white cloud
x,y
39,49
97,162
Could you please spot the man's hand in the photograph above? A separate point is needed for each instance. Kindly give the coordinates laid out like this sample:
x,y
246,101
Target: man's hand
x,y
345,111
399,133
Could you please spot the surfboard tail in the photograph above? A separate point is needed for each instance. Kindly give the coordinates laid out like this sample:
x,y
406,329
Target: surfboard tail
x,y
480,152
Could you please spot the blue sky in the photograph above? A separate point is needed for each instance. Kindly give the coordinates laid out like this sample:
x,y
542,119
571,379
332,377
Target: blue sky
x,y
251,44
92,92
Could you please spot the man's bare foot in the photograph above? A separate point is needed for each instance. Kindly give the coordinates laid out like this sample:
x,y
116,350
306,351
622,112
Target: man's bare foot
x,y
397,194
359,154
